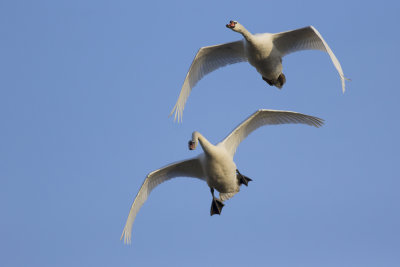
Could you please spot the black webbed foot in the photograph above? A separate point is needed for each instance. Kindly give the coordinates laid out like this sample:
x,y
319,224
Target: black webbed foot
x,y
281,81
216,206
278,82
242,179
268,81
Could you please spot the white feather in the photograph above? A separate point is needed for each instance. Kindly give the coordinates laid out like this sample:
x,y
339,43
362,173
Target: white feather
x,y
186,168
207,59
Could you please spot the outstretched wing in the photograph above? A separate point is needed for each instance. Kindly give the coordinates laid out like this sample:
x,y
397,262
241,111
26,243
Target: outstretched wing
x,y
265,117
186,168
207,60
307,38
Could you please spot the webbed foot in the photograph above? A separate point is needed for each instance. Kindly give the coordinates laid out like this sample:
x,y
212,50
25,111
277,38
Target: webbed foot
x,y
281,81
242,179
268,81
216,206
278,82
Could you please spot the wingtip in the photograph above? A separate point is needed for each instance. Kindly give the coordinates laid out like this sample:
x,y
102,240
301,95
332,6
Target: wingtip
x,y
321,123
174,110
123,236
127,237
344,79
178,116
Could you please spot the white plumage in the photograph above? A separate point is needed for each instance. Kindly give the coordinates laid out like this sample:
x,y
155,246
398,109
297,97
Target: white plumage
x,y
263,51
215,165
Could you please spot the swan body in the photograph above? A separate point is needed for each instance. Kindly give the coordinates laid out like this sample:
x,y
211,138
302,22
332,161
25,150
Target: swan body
x,y
218,167
263,55
263,51
215,165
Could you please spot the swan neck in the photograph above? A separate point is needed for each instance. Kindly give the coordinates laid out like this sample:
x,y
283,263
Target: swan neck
x,y
246,34
205,144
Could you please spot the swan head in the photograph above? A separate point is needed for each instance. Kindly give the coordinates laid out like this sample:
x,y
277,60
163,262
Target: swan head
x,y
194,141
192,145
234,26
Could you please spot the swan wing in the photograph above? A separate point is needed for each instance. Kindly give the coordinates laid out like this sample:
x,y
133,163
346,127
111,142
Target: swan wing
x,y
207,59
186,168
265,117
307,38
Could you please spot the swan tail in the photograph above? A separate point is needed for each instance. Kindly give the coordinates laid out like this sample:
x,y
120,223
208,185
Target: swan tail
x,y
226,196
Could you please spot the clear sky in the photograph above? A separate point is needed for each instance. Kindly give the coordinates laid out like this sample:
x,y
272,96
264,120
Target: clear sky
x,y
85,92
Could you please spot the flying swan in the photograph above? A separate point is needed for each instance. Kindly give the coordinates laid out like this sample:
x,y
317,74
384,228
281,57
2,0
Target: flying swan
x,y
263,51
215,165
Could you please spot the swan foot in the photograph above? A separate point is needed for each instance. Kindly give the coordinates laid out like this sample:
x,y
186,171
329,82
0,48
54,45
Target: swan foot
x,y
281,81
268,81
216,205
278,83
242,179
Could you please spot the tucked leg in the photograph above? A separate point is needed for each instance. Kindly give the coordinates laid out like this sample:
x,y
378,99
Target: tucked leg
x,y
281,80
278,82
216,204
242,179
268,81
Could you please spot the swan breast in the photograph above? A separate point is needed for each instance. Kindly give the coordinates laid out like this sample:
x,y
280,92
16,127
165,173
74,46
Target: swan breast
x,y
259,47
220,171
264,56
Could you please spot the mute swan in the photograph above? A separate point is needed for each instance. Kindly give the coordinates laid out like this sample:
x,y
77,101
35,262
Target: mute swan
x,y
215,166
263,51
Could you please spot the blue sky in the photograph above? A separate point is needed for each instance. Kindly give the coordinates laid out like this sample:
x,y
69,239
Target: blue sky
x,y
85,92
